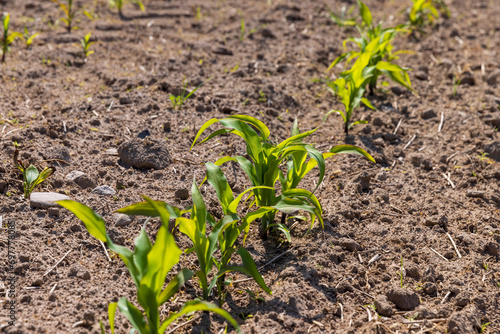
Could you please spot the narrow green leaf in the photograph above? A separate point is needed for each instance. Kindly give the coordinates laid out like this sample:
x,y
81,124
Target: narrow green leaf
x,y
111,315
134,315
174,285
93,222
351,149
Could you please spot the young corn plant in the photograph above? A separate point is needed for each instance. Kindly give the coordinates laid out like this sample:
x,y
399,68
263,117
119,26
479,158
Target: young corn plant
x,y
425,12
148,265
262,167
377,50
179,100
222,237
350,90
344,19
86,44
31,176
69,13
28,39
118,4
7,38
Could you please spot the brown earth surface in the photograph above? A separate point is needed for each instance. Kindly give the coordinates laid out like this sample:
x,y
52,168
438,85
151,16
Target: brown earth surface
x,y
345,278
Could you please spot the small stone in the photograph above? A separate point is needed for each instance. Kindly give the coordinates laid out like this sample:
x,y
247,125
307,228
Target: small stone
x,y
467,79
145,153
430,288
349,244
167,127
389,137
266,33
83,274
182,194
428,114
404,299
111,151
427,164
125,100
377,121
475,194
383,306
492,248
222,51
379,142
122,220
75,228
465,321
53,212
104,191
397,90
492,79
412,270
45,200
421,75
144,134
81,179
53,297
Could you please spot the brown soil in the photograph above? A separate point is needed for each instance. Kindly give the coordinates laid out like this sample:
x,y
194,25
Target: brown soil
x,y
377,216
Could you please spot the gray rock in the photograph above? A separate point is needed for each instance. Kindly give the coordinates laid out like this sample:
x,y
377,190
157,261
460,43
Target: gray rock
x,y
421,75
383,306
81,179
45,200
492,79
475,194
125,100
404,299
182,194
493,150
349,244
57,154
145,153
465,321
122,220
104,191
222,51
428,114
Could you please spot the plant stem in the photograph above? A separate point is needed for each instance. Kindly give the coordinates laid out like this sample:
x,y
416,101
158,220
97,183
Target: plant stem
x,y
346,128
263,228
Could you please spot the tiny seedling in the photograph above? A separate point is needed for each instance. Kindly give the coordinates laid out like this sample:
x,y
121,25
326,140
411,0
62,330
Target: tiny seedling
x,y
484,326
118,4
243,32
343,20
69,13
179,100
31,176
28,39
425,12
456,83
350,91
86,43
7,38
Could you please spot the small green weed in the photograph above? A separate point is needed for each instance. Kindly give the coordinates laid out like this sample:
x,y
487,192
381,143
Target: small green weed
x,y
69,13
31,176
118,4
7,38
28,39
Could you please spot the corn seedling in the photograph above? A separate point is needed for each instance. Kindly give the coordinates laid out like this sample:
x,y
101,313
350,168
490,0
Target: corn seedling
x,y
179,100
425,12
118,4
28,39
69,13
148,265
243,32
86,43
350,91
223,236
262,167
31,176
343,20
7,38
375,50
484,326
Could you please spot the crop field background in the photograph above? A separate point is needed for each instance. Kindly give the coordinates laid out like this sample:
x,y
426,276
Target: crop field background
x,y
410,243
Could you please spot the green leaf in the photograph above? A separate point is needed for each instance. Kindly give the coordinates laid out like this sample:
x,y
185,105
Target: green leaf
x,y
259,125
145,209
199,208
217,179
134,315
368,103
31,175
198,305
205,126
93,222
174,285
111,315
365,13
142,248
351,149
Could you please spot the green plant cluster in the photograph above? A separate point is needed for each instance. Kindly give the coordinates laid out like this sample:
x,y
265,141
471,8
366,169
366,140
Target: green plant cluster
x,y
274,171
375,57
